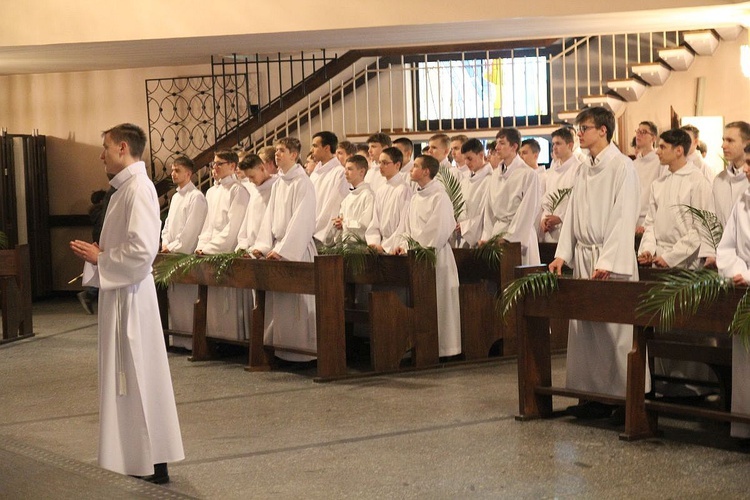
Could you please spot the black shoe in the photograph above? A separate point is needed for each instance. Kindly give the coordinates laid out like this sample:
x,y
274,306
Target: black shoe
x,y
590,410
618,417
160,475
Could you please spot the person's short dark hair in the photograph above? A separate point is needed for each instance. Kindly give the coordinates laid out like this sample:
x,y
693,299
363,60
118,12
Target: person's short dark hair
x,y
97,196
349,147
425,150
185,161
359,161
431,164
677,137
602,117
460,137
692,129
227,155
651,126
406,142
363,148
702,147
510,134
250,161
380,138
394,154
328,139
747,149
491,145
132,135
565,133
291,143
473,145
533,144
743,127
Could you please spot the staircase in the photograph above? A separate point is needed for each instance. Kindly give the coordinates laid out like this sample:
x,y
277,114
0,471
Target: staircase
x,y
624,66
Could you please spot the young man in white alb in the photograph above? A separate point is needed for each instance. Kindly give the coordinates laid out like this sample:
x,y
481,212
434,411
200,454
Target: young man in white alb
x,y
286,233
513,199
375,145
459,169
560,178
226,215
733,260
185,219
475,191
430,222
329,182
597,240
647,166
391,204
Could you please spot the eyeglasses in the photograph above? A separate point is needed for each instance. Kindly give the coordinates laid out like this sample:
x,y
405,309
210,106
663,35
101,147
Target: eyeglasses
x,y
583,128
642,132
218,163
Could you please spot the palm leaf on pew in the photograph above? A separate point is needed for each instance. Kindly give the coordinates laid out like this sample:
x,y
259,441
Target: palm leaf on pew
x,y
684,291
741,321
710,225
538,284
453,188
422,254
354,249
555,199
3,241
175,265
491,253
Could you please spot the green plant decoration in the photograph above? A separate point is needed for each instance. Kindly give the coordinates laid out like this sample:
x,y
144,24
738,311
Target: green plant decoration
x,y
710,225
453,188
422,254
491,253
538,284
355,251
174,265
684,291
555,199
740,324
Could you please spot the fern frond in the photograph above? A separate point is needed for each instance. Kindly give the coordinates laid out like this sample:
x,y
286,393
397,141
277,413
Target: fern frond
x,y
3,241
682,291
741,321
541,284
555,199
491,252
422,254
354,249
174,265
710,225
453,188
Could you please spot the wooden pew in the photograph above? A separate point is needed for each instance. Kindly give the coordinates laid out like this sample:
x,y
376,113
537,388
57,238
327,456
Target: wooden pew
x,y
395,327
605,301
482,325
15,294
324,278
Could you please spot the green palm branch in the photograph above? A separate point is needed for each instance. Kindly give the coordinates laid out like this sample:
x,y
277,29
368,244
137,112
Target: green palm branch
x,y
174,265
740,324
710,225
453,188
421,254
491,252
3,241
538,284
355,251
684,291
555,199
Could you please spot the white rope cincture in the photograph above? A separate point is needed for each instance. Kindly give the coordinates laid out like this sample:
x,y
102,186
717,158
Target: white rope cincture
x,y
122,388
